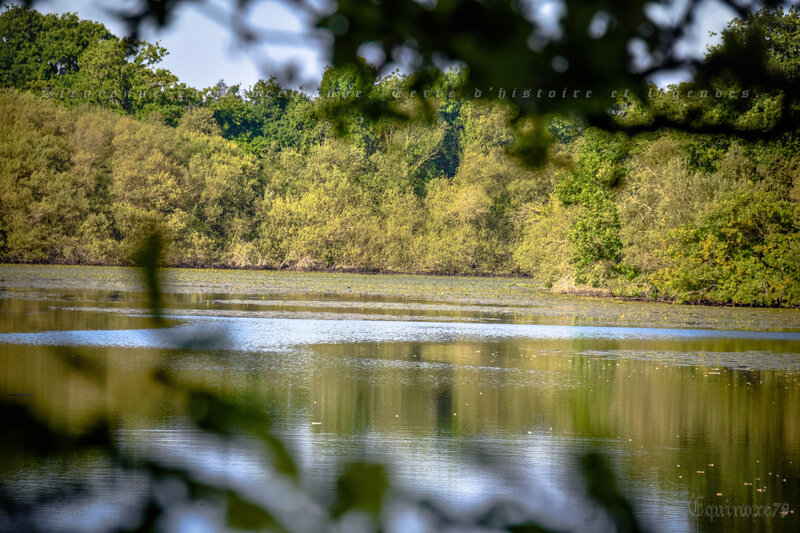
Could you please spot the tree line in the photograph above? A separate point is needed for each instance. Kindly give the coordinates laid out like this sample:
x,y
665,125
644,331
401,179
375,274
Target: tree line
x,y
98,143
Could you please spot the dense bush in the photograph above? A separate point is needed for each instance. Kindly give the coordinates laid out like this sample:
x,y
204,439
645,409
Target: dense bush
x,y
269,177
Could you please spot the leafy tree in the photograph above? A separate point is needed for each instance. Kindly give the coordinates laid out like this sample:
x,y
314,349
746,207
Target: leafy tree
x,y
285,117
265,117
81,62
37,48
419,179
595,226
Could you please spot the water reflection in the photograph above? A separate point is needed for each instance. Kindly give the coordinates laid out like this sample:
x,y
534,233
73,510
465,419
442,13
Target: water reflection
x,y
466,411
258,334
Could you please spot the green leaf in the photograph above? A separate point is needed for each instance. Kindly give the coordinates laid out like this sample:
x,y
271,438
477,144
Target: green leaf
x,y
362,486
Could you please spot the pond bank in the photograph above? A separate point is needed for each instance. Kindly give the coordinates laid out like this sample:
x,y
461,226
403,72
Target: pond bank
x,y
518,280
517,300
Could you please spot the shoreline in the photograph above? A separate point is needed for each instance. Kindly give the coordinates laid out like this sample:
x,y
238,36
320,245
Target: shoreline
x,y
598,293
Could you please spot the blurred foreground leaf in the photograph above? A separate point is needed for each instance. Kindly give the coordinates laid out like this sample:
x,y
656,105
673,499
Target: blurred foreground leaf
x,y
244,515
362,486
601,485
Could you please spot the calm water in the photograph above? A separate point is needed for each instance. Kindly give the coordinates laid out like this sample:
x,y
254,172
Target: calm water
x,y
470,390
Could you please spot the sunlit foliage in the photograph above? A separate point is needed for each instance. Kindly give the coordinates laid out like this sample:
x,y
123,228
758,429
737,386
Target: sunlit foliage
x,y
274,178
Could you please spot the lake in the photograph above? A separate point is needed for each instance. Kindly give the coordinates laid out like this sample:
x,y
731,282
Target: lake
x,y
472,391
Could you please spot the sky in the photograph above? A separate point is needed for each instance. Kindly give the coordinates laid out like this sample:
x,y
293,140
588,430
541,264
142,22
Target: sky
x,y
203,50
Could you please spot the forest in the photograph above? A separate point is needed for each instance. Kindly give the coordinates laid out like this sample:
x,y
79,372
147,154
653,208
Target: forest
x,y
99,145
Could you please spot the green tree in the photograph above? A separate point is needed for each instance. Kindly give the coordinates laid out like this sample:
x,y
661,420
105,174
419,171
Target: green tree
x,y
37,48
82,62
